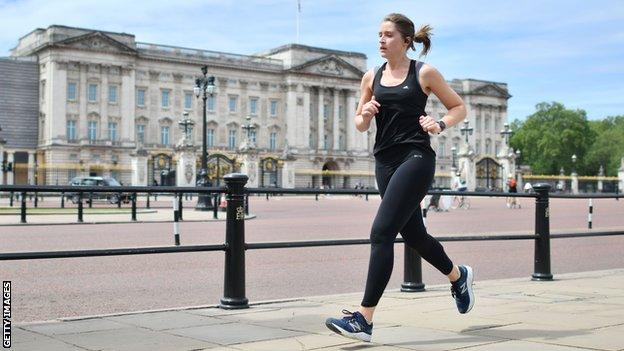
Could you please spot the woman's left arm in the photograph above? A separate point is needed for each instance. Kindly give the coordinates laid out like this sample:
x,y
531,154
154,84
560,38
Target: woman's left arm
x,y
433,81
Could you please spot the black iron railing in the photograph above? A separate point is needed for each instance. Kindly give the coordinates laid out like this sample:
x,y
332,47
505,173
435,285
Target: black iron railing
x,y
234,295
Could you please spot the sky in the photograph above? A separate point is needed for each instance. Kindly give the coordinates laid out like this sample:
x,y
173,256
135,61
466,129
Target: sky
x,y
566,51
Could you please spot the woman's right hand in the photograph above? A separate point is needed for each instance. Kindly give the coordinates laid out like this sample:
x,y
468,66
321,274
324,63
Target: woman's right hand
x,y
371,108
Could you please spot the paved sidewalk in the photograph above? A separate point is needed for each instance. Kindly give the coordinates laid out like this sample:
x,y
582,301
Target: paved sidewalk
x,y
580,311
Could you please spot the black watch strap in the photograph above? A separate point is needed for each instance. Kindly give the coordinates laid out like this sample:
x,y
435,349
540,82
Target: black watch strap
x,y
442,125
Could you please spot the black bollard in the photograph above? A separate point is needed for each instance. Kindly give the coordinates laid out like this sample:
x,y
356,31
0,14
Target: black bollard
x,y
80,207
134,200
176,218
119,200
36,200
234,287
215,208
148,200
23,209
412,272
541,269
11,200
179,206
62,199
90,200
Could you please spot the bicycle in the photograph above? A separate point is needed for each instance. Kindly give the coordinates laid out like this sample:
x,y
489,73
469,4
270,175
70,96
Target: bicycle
x,y
460,202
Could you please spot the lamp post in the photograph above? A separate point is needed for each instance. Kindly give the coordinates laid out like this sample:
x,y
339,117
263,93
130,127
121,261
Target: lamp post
x,y
186,125
518,153
506,133
574,163
204,87
466,130
248,128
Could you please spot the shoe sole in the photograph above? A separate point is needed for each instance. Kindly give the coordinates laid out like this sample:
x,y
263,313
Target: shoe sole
x,y
357,336
469,282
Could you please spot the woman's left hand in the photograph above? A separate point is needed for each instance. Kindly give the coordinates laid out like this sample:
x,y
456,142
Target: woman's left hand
x,y
429,125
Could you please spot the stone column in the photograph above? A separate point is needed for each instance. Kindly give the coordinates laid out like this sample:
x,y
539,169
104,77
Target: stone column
x,y
31,167
57,101
186,169
10,174
350,126
321,125
82,100
520,180
467,168
506,162
336,118
103,102
127,96
288,174
138,162
292,128
600,180
574,186
305,142
249,166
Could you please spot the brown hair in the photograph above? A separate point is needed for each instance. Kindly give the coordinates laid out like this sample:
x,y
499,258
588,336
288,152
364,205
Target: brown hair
x,y
406,27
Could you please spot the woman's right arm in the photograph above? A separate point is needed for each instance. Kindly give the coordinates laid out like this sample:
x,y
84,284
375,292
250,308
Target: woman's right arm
x,y
367,107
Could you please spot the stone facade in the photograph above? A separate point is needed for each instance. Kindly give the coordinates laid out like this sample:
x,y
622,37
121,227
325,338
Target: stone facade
x,y
108,95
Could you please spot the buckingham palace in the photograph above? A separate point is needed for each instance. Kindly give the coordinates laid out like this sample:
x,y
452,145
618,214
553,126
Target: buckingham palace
x,y
101,103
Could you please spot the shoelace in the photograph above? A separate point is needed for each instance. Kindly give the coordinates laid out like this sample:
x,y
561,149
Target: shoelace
x,y
350,314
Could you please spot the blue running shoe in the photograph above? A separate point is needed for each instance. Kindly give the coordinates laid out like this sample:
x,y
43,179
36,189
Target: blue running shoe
x,y
353,326
461,289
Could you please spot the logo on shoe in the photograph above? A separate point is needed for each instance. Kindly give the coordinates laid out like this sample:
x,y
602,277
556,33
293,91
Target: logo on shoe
x,y
464,288
355,326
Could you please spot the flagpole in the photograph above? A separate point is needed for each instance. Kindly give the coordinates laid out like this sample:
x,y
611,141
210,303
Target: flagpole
x,y
298,12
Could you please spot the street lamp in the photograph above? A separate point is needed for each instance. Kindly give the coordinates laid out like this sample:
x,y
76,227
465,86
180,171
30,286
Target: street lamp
x,y
466,130
204,87
518,153
249,128
574,163
186,125
506,133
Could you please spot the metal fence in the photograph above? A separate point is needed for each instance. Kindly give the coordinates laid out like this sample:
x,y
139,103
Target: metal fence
x,y
235,246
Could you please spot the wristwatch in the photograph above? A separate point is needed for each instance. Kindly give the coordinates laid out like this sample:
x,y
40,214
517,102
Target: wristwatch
x,y
442,126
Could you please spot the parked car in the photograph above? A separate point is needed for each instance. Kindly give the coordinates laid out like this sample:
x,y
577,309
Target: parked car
x,y
112,197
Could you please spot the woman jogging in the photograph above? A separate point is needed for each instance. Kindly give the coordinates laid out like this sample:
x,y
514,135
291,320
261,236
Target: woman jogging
x,y
396,95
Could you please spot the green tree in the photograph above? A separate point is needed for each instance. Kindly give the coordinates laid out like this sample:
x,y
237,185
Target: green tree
x,y
608,147
549,137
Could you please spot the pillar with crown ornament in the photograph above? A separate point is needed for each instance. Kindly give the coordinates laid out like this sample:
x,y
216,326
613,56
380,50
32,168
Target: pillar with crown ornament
x,y
248,154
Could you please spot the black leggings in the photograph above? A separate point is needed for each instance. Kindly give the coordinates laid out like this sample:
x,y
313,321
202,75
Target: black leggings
x,y
404,174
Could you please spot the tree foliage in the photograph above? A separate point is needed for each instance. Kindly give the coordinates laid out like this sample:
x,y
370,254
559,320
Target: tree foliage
x,y
549,137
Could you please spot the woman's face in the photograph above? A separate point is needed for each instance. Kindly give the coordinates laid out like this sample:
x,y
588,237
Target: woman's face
x,y
391,42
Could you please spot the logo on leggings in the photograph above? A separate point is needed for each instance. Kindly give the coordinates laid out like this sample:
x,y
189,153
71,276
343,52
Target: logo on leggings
x,y
417,155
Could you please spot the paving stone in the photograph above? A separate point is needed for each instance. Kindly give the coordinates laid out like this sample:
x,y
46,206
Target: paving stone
x,y
166,320
233,333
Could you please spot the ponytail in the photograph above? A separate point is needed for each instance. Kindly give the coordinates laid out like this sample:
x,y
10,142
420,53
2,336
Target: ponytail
x,y
423,36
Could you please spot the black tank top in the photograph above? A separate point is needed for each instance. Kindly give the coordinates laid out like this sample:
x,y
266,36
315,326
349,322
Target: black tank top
x,y
401,107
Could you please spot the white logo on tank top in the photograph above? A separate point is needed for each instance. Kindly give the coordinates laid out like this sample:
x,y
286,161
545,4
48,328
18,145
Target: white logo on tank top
x,y
406,87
